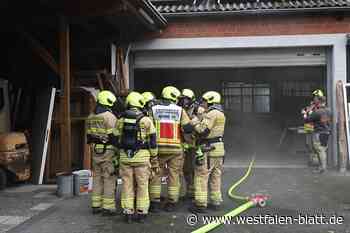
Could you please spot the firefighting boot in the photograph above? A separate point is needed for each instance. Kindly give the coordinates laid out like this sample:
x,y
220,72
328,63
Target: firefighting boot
x,y
128,218
107,212
170,207
154,207
214,207
141,218
197,209
96,210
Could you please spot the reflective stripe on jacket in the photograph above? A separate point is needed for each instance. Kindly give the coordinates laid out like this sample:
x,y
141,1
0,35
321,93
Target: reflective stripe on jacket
x,y
214,121
168,123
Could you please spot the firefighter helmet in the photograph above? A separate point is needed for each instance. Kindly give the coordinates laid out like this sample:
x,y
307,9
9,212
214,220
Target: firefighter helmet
x,y
212,97
135,99
188,93
171,93
148,96
106,98
318,93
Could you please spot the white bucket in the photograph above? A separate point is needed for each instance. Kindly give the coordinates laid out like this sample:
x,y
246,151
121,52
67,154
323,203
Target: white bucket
x,y
82,182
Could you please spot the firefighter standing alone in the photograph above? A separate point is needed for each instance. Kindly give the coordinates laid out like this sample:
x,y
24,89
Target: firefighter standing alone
x,y
309,126
100,126
320,118
208,170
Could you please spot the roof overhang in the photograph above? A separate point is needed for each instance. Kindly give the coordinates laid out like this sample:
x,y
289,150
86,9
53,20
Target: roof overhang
x,y
137,10
186,8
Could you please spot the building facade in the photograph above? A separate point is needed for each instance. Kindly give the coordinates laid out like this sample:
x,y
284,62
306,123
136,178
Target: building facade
x,y
265,57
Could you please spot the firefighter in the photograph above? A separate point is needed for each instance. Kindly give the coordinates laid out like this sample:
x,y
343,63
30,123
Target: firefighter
x,y
309,127
320,118
187,102
100,126
136,136
209,167
170,120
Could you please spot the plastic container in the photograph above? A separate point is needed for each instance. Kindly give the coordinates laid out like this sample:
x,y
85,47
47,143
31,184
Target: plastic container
x,y
65,185
82,182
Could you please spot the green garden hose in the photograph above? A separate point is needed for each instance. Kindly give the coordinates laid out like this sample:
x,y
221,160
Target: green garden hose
x,y
250,202
235,185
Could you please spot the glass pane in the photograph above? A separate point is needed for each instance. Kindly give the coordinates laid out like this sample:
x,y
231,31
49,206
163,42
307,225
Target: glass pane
x,y
247,104
262,104
262,91
247,85
247,91
236,103
232,84
236,91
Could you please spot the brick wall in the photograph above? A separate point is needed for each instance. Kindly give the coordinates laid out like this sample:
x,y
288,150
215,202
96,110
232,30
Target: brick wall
x,y
255,26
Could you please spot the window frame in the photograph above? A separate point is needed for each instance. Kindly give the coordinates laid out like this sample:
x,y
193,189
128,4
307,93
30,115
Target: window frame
x,y
229,94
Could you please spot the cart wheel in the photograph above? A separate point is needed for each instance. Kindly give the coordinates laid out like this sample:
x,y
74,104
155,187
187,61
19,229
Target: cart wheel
x,y
3,178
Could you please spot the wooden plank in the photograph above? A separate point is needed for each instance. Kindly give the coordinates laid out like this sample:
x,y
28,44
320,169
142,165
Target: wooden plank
x,y
65,127
346,106
100,82
41,131
342,141
87,148
111,82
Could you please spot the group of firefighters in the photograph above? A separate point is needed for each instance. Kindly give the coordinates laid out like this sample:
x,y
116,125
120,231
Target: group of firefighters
x,y
317,130
175,136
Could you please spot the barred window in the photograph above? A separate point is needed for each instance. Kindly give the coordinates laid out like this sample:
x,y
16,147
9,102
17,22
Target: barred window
x,y
242,97
297,88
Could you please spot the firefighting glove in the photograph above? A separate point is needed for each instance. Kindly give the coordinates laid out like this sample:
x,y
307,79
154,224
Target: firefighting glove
x,y
199,157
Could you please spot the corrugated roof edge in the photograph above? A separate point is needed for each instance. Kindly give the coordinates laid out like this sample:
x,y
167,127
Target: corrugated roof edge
x,y
258,12
162,21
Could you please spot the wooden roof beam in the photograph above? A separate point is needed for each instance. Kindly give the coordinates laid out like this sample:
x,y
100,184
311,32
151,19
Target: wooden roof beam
x,y
40,50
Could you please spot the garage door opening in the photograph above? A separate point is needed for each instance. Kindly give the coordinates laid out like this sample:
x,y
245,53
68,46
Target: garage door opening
x,y
262,106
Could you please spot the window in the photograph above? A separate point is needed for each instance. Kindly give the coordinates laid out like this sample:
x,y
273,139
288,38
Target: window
x,y
298,88
242,97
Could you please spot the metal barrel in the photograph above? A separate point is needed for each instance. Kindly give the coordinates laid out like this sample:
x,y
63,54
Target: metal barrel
x,y
65,185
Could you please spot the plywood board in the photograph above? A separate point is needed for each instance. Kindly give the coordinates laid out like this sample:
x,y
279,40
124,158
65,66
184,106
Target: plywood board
x,y
41,132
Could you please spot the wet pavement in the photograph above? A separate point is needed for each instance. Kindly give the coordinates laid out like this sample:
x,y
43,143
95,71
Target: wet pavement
x,y
23,202
296,193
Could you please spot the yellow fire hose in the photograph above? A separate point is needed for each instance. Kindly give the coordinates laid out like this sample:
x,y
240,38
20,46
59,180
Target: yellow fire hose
x,y
251,202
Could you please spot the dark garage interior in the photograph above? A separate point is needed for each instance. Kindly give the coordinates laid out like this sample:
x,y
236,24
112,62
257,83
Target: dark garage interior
x,y
262,106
